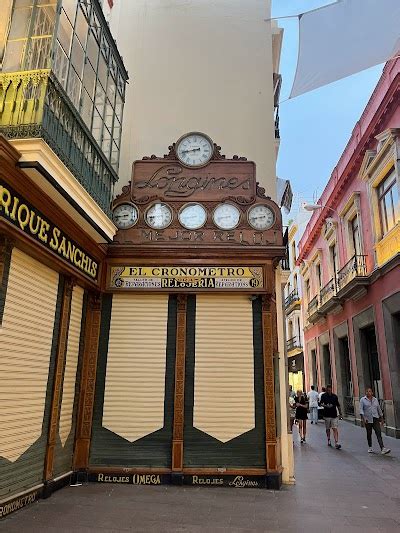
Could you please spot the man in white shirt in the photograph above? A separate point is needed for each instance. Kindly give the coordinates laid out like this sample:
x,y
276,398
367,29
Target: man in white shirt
x,y
372,418
313,398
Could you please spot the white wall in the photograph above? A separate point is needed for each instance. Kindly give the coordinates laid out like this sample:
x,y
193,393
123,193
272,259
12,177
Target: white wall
x,y
202,65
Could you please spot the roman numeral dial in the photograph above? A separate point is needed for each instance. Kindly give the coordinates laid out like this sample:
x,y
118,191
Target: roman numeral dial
x,y
194,149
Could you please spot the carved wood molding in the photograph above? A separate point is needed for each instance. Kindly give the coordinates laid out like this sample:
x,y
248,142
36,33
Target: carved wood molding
x,y
269,342
58,377
6,246
179,403
88,382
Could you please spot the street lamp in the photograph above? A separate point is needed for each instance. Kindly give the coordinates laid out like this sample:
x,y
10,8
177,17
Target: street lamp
x,y
316,207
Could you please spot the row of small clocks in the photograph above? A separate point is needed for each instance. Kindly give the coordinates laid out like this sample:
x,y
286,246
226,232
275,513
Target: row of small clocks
x,y
193,216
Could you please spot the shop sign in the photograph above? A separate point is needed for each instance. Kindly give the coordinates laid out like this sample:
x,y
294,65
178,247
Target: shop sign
x,y
239,482
20,213
130,479
17,503
186,277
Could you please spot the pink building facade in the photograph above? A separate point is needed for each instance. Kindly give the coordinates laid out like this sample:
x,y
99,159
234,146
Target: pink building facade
x,y
349,260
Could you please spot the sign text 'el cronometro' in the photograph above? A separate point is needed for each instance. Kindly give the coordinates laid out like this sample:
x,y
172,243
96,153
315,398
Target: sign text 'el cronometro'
x,y
186,277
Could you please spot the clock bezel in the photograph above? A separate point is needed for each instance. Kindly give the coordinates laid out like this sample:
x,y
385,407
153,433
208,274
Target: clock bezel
x,y
152,205
267,207
232,205
132,205
183,137
188,205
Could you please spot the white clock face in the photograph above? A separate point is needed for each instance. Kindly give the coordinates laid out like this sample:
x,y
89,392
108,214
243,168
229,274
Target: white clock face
x,y
226,216
194,150
193,216
261,217
159,216
125,216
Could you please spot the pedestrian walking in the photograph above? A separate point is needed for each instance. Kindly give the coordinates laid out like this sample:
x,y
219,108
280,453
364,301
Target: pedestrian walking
x,y
292,411
292,394
323,390
372,418
331,405
313,398
301,414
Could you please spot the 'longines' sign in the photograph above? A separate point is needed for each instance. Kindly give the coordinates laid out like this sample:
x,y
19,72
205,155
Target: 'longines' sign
x,y
21,214
186,277
219,179
238,482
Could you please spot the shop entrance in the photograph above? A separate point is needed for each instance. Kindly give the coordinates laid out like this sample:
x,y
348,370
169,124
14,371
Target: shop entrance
x,y
370,355
346,381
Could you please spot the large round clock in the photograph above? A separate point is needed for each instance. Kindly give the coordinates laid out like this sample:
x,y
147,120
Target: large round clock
x,y
261,217
125,216
159,216
192,216
226,216
194,149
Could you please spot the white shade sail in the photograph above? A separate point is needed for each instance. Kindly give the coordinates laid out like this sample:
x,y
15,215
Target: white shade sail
x,y
344,38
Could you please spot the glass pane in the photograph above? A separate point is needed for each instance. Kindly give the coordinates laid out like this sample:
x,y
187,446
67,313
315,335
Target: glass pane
x,y
86,109
114,156
109,114
96,26
89,79
13,55
92,50
111,90
20,3
70,9
60,65
117,132
102,71
118,107
20,23
396,202
100,99
64,32
38,54
106,144
44,20
77,56
73,87
81,27
97,126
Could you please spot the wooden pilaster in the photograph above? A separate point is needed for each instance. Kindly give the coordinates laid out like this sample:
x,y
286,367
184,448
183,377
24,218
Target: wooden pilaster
x,y
179,403
269,343
6,246
58,379
88,382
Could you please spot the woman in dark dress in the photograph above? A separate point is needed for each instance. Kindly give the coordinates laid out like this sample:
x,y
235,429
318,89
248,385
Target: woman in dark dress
x,y
301,414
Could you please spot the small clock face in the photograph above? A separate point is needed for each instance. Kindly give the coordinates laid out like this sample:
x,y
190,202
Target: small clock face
x,y
226,216
192,216
261,217
194,150
159,216
125,216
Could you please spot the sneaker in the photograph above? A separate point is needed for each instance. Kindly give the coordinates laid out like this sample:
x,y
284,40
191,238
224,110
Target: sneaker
x,y
329,443
370,450
385,451
301,441
338,446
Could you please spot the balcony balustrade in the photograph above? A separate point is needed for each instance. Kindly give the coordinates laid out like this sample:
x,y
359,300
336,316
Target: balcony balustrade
x,y
292,298
328,291
313,308
293,344
34,105
352,269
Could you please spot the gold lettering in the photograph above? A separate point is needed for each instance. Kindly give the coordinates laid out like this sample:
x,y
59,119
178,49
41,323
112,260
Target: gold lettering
x,y
21,222
54,240
44,227
62,247
14,209
76,262
35,229
100,477
5,200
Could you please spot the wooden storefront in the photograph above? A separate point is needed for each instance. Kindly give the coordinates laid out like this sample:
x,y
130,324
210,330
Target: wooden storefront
x,y
180,383
49,272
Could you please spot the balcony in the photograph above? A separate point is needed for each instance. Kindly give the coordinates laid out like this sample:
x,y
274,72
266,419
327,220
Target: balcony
x,y
33,105
313,314
352,279
328,301
285,261
292,302
294,346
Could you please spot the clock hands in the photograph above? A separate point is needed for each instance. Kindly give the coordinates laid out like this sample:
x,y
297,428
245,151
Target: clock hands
x,y
191,150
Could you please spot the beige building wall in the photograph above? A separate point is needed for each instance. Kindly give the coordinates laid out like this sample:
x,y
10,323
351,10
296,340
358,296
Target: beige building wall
x,y
197,65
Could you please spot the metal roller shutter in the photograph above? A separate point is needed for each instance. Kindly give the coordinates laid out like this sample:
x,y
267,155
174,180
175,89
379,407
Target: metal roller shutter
x,y
26,336
134,397
65,443
224,391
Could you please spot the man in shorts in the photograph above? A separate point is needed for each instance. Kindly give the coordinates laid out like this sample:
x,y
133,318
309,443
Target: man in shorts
x,y
330,403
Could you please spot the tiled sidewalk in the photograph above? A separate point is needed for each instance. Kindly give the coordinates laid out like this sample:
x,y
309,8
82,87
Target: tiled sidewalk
x,y
339,491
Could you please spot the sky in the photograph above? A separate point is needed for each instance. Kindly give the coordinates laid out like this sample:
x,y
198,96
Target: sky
x,y
316,126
